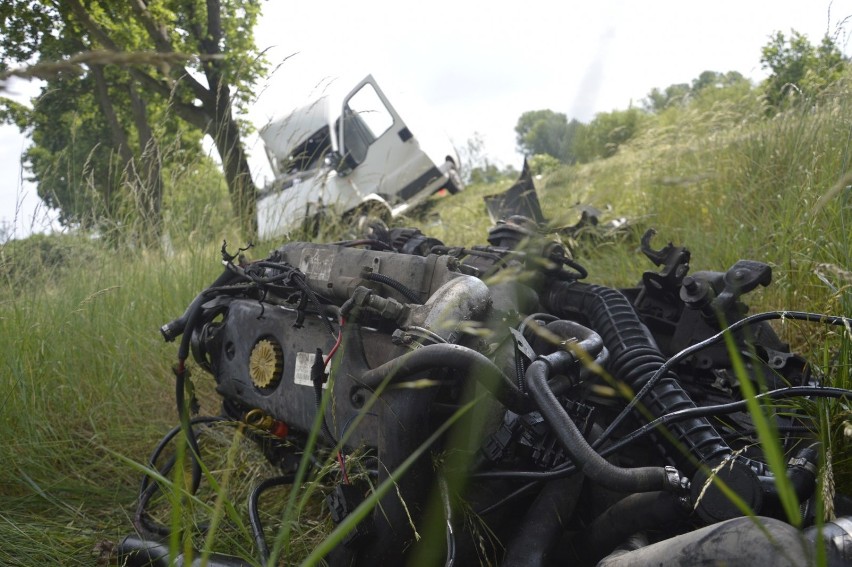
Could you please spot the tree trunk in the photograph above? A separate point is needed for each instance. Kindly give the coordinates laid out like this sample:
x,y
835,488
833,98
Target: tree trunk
x,y
226,130
119,137
235,166
149,171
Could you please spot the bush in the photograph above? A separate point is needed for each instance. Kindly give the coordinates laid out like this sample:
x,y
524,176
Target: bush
x,y
43,256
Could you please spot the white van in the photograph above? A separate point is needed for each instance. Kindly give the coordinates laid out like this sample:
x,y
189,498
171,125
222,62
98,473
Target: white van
x,y
336,160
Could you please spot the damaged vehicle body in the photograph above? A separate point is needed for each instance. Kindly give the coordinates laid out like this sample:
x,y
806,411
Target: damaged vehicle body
x,y
512,412
335,158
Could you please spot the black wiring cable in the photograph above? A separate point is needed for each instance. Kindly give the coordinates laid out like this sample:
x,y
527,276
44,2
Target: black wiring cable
x,y
448,520
580,272
147,489
508,498
286,270
718,337
298,278
173,329
184,419
140,518
409,294
752,431
318,405
567,469
292,274
160,447
254,512
732,407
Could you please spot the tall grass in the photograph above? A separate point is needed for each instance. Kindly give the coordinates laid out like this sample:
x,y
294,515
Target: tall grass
x,y
83,375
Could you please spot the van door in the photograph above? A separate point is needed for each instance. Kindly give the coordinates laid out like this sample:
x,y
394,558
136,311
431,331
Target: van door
x,y
380,153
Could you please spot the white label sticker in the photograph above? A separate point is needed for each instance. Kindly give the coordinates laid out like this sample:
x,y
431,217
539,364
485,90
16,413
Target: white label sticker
x,y
302,374
316,263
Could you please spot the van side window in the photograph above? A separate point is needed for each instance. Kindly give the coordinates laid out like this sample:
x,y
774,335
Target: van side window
x,y
356,137
365,118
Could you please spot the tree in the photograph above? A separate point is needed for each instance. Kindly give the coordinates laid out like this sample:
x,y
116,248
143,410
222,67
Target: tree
x,y
680,94
797,66
715,80
602,137
140,67
546,132
658,100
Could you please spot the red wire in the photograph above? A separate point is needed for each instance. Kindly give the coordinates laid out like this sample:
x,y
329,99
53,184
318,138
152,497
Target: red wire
x,y
340,459
336,344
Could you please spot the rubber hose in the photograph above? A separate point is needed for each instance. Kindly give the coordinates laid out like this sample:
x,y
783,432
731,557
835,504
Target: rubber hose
x,y
408,293
469,361
174,329
801,471
543,523
586,459
634,513
588,340
254,514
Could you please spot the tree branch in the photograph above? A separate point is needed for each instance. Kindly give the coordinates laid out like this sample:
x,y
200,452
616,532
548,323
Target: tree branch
x,y
157,33
104,39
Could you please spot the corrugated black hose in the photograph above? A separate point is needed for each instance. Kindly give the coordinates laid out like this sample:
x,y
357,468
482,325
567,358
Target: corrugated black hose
x,y
635,357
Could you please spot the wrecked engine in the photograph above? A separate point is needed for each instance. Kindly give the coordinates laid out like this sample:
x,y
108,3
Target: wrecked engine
x,y
509,412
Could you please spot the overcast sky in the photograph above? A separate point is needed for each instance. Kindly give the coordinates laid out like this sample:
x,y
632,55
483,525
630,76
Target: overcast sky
x,y
477,66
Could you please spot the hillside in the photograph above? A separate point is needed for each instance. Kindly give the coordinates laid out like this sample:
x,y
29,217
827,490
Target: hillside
x,y
87,381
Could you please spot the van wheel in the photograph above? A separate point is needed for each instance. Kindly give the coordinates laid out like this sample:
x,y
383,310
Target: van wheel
x,y
369,221
454,183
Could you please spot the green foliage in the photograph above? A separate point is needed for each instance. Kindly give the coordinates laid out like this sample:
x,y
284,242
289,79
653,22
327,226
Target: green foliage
x,y
547,132
798,69
681,94
122,83
23,262
491,173
602,137
658,100
541,164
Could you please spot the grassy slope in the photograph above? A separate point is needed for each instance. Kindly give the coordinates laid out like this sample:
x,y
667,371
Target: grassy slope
x,y
84,373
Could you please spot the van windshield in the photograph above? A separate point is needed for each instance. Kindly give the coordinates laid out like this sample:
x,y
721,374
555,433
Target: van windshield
x,y
309,154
